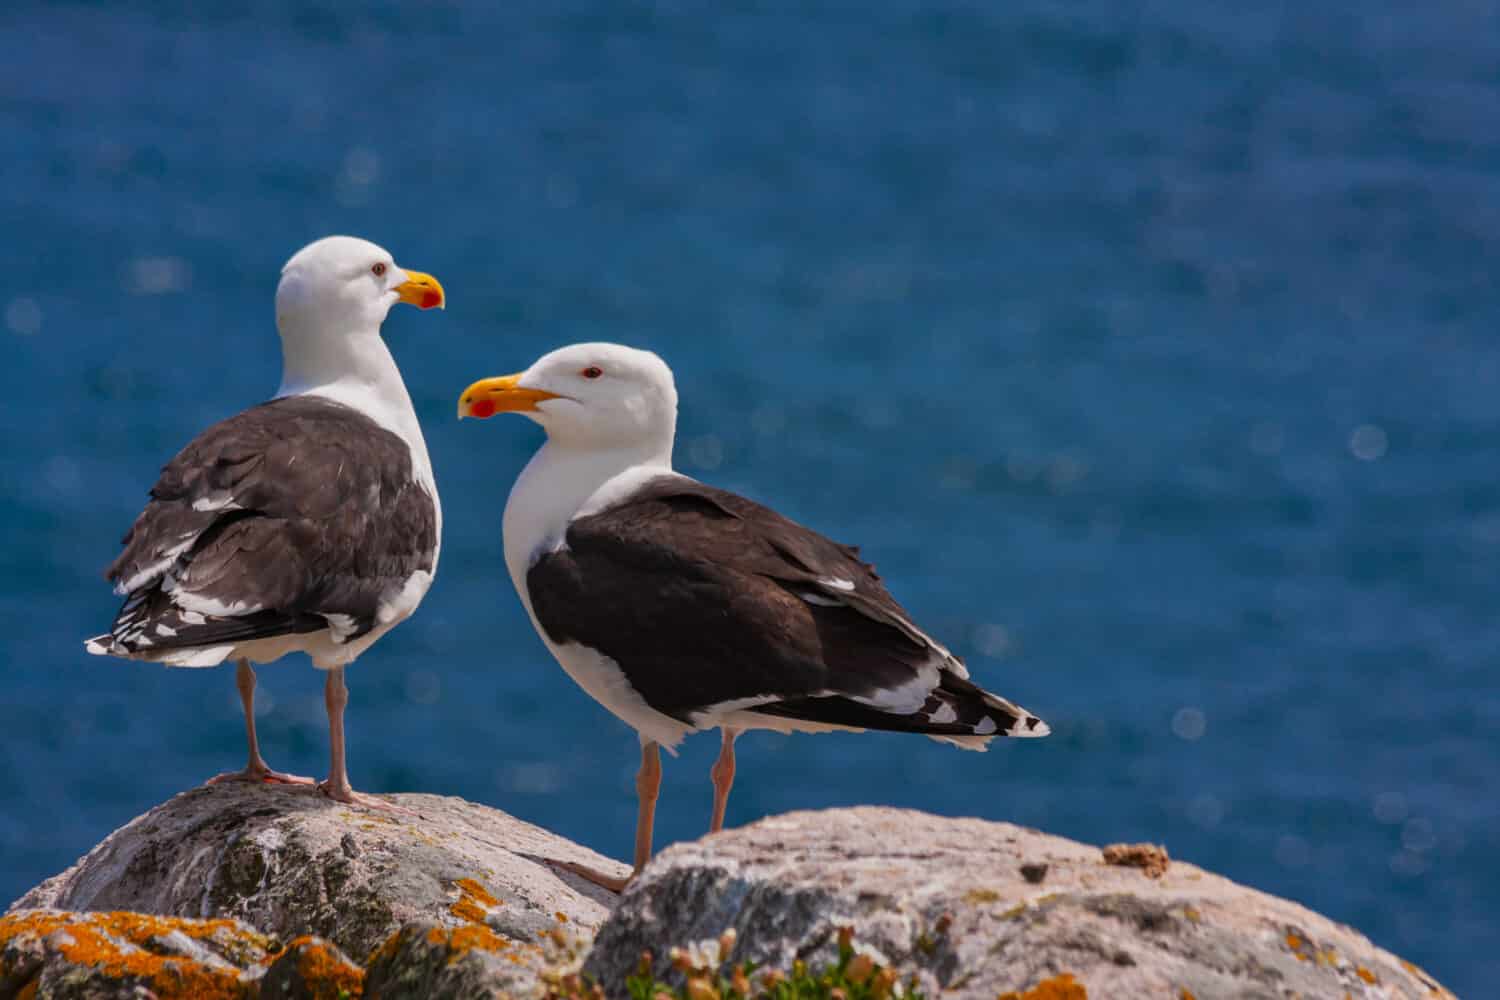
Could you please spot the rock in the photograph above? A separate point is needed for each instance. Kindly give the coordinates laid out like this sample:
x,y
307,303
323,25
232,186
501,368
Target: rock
x,y
100,956
443,963
291,863
456,900
311,969
946,900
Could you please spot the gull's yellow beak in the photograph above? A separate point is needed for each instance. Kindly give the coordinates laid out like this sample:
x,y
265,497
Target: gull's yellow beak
x,y
421,290
490,396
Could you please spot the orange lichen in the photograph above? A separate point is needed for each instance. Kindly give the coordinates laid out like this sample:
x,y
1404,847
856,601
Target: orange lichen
x,y
1366,975
467,909
117,945
474,902
28,992
1293,941
1150,858
471,937
463,940
1191,912
1063,987
1187,994
458,942
473,889
562,917
327,975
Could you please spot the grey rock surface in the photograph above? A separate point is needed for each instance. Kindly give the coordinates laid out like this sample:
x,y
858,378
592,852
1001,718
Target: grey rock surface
x,y
290,862
948,901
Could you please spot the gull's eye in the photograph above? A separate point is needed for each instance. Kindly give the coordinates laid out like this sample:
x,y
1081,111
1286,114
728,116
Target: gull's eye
x,y
592,371
377,268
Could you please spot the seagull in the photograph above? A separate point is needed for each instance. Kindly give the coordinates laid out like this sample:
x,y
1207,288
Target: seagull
x,y
681,607
309,523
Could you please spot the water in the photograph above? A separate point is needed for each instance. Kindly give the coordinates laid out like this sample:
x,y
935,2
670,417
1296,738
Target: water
x,y
1149,351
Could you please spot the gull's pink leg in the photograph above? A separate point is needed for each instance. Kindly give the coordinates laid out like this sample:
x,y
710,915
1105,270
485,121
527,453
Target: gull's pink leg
x,y
336,785
335,697
256,770
722,774
647,786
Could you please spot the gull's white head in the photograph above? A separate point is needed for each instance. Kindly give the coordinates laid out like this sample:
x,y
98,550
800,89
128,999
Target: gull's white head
x,y
341,285
588,396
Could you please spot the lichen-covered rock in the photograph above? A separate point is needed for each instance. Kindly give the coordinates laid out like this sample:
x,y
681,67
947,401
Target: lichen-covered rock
x,y
290,862
981,909
429,962
310,968
462,901
101,956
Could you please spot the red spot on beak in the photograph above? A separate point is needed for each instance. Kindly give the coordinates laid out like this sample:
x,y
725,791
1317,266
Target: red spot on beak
x,y
482,409
430,300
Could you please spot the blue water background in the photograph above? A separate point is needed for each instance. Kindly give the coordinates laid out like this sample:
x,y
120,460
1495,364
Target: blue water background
x,y
1148,349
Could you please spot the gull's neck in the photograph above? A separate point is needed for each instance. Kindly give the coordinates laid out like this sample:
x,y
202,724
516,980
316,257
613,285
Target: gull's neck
x,y
559,483
357,370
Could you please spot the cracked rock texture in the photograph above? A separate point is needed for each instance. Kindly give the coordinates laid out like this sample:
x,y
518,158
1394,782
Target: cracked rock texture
x,y
289,862
947,900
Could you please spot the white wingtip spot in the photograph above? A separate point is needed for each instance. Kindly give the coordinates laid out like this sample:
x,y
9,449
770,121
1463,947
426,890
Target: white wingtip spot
x,y
1029,727
837,583
96,645
986,726
945,713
